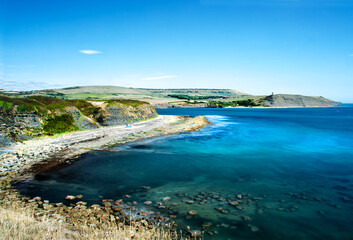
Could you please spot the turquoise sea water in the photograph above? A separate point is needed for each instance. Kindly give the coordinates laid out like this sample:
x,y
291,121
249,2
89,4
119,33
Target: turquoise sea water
x,y
292,167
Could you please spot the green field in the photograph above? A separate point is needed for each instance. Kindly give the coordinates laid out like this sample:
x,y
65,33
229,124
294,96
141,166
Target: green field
x,y
149,95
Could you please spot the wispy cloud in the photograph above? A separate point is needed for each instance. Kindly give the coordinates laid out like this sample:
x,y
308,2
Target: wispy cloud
x,y
90,51
158,78
25,86
350,55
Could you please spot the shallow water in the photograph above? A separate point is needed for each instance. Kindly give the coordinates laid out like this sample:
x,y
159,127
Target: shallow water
x,y
293,168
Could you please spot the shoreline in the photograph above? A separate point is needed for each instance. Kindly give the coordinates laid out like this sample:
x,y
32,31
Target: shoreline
x,y
25,159
21,157
241,107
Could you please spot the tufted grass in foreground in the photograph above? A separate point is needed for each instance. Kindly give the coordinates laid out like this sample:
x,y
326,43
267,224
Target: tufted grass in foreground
x,y
20,224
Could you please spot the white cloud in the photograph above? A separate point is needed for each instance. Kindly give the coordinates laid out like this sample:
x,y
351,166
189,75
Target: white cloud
x,y
90,51
157,78
350,55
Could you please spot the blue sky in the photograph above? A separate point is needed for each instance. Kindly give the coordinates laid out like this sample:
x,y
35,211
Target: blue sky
x,y
259,47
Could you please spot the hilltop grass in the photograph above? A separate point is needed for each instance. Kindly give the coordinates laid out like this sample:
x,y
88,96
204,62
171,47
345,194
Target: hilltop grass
x,y
89,96
114,92
125,102
48,105
44,105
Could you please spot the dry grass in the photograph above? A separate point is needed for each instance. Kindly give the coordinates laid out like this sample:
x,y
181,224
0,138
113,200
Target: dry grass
x,y
16,224
20,224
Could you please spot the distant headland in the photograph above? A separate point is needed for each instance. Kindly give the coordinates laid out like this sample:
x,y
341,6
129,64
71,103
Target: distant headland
x,y
182,97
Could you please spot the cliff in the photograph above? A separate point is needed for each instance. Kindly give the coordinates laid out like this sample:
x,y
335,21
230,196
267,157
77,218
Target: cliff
x,y
288,100
123,111
25,118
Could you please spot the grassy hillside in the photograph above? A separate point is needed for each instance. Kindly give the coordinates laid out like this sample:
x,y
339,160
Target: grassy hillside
x,y
178,97
42,105
149,95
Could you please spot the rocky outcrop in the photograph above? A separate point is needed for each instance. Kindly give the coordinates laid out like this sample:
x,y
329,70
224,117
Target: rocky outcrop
x,y
81,121
19,126
288,100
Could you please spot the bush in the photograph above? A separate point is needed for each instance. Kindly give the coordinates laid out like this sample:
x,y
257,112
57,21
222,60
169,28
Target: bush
x,y
7,105
59,124
245,103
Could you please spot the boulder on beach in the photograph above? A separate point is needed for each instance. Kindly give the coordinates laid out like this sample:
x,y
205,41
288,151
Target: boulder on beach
x,y
79,196
70,197
191,212
195,233
233,203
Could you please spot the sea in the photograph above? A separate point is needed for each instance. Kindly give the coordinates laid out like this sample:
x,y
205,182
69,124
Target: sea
x,y
252,174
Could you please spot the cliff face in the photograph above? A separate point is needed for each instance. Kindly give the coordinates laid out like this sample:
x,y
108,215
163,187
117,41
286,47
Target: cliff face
x,y
287,100
18,127
80,120
121,114
25,118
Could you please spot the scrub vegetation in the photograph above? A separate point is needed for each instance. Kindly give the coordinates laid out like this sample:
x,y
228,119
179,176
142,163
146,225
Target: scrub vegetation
x,y
243,103
59,124
42,105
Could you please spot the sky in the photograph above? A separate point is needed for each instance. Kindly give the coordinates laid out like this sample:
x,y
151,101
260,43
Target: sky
x,y
255,46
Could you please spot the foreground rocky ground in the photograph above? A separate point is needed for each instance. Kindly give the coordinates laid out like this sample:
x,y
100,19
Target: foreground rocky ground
x,y
72,218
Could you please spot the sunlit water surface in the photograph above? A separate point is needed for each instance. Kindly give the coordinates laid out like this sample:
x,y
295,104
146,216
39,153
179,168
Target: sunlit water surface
x,y
293,168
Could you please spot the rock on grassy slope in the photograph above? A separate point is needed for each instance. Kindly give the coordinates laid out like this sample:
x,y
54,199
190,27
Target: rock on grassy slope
x,y
25,118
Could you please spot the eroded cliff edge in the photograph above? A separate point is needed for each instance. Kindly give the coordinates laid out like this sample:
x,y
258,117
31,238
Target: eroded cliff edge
x,y
35,116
